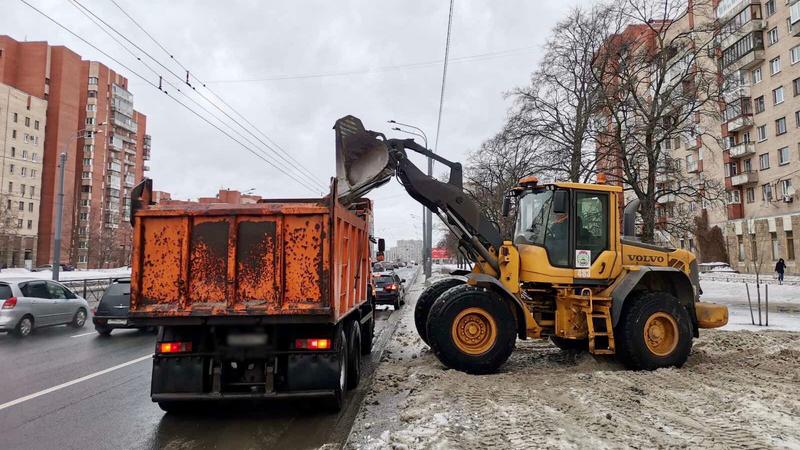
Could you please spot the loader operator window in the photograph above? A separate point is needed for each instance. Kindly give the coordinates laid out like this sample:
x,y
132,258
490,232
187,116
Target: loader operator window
x,y
591,223
537,224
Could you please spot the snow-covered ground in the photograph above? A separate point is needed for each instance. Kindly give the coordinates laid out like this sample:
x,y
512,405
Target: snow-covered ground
x,y
10,274
784,304
739,389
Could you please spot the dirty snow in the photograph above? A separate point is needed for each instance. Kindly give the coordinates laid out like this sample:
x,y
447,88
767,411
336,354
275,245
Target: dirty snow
x,y
738,389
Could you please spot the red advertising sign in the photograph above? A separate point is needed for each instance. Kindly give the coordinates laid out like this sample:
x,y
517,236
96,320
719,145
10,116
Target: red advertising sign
x,y
439,253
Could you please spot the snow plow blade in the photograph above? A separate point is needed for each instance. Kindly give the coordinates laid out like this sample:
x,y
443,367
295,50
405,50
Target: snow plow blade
x,y
362,159
711,315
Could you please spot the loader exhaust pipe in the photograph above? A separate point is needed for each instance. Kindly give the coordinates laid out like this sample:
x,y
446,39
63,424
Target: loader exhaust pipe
x,y
629,218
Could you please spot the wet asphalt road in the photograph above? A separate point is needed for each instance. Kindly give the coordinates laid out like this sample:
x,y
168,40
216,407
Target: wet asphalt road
x,y
113,409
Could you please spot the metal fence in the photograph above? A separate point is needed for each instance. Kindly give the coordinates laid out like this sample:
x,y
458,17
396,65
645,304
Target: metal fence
x,y
91,289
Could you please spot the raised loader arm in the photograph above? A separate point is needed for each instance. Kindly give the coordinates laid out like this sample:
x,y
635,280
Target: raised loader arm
x,y
367,159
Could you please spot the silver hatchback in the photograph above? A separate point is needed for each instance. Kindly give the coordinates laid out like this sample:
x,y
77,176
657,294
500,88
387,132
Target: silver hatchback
x,y
26,304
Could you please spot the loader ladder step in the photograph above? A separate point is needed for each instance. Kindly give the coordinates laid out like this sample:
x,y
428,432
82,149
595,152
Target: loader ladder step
x,y
598,322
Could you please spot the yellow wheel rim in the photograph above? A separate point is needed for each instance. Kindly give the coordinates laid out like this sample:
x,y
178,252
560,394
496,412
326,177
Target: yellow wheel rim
x,y
474,331
661,334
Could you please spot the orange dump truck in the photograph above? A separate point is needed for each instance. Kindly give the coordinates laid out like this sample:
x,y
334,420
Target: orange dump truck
x,y
263,300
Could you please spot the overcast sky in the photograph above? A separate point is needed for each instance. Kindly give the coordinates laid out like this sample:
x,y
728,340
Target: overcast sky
x,y
340,57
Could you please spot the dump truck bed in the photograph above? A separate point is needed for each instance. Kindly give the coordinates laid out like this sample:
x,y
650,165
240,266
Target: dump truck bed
x,y
307,258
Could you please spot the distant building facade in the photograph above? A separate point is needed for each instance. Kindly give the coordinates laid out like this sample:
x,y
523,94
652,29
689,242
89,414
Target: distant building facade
x,y
406,250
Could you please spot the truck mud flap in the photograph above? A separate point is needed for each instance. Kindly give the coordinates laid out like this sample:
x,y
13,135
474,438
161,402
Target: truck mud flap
x,y
306,372
178,375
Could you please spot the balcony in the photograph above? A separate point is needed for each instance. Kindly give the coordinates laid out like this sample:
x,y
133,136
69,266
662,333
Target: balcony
x,y
694,166
146,168
727,9
664,199
749,27
740,123
663,178
794,18
742,150
744,178
736,93
735,211
747,62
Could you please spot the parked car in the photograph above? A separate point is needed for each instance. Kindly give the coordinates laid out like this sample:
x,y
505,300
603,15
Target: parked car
x,y
112,312
389,290
26,304
64,268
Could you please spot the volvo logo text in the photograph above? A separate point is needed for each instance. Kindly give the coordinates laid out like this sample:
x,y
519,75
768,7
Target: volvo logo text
x,y
646,258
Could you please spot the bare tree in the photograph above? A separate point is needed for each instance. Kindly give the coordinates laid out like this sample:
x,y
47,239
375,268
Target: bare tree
x,y
9,226
659,86
553,115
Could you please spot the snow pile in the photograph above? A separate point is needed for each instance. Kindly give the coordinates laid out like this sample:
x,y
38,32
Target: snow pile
x,y
784,303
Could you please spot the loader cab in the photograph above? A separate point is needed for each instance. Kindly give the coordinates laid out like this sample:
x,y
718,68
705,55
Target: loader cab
x,y
567,232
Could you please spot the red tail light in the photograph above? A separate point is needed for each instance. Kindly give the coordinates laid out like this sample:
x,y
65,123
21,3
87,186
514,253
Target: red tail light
x,y
391,287
174,347
313,344
10,303
94,311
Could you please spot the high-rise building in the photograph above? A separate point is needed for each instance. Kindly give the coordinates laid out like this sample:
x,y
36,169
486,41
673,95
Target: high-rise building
x,y
22,124
760,56
406,250
91,118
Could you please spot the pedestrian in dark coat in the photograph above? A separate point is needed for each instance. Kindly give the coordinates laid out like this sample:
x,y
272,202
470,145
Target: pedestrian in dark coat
x,y
780,267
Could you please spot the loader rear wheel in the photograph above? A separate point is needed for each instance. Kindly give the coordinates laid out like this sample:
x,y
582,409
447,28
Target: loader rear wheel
x,y
425,302
472,329
655,331
570,345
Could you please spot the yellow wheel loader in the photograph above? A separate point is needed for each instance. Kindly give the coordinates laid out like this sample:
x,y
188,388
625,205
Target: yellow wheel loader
x,y
568,273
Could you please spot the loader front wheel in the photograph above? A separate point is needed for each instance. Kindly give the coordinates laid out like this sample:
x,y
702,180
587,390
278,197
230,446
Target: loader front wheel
x,y
655,331
425,302
472,329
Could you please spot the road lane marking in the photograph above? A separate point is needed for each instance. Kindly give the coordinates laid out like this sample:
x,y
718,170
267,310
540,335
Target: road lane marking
x,y
83,334
70,383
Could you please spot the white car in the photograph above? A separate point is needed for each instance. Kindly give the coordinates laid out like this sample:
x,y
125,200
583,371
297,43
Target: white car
x,y
26,304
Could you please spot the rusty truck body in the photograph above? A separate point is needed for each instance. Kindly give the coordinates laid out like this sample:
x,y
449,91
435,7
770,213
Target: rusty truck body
x,y
271,299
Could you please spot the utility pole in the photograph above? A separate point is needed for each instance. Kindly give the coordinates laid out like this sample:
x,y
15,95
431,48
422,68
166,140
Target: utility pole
x,y
62,162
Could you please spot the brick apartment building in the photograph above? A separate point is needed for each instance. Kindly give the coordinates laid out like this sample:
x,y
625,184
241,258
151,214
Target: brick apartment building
x,y
91,117
227,196
22,124
754,148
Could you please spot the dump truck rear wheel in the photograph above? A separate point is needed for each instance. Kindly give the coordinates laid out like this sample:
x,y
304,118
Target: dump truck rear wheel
x,y
367,334
337,402
425,302
472,329
570,345
655,331
353,355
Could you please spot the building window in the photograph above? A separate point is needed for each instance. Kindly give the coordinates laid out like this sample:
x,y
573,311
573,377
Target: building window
x,y
19,223
770,7
91,107
22,190
32,191
761,133
757,77
796,85
81,258
773,237
780,126
783,155
21,206
734,198
789,245
23,171
763,161
13,134
772,36
777,95
748,165
10,187
90,121
27,121
766,192
786,188
753,248
740,246
759,104
30,224
35,124
775,65
11,169
15,118
13,152
33,173
24,154
30,207
750,193
92,94
93,81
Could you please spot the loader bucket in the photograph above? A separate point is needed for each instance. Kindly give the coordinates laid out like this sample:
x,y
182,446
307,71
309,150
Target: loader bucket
x,y
362,159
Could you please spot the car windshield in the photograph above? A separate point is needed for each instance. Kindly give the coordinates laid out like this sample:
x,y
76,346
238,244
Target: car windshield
x,y
384,280
5,292
533,209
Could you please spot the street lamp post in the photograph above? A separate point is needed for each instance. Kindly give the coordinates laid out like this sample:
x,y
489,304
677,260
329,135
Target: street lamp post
x,y
427,223
62,162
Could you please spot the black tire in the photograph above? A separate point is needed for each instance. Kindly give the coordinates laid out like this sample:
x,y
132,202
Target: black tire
x,y
662,307
103,330
175,407
367,335
340,386
397,303
353,355
79,319
425,301
570,345
24,327
483,303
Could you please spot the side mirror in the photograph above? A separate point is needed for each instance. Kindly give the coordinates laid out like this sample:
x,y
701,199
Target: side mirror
x,y
506,209
381,245
560,202
403,280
